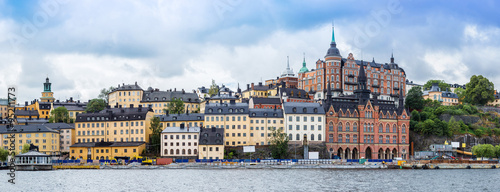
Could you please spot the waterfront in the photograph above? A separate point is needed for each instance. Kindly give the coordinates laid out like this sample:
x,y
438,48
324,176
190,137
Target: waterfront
x,y
254,180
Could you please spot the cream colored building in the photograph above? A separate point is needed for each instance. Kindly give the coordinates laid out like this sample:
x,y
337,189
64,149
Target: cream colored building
x,y
211,143
262,124
304,119
66,133
445,97
124,95
180,142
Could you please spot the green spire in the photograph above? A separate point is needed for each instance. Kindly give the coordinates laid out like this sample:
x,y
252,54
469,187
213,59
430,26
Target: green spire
x,y
333,32
304,68
304,63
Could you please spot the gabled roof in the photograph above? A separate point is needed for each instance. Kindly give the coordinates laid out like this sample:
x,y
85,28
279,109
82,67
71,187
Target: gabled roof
x,y
115,114
303,108
264,100
226,108
127,87
165,96
35,128
269,113
182,117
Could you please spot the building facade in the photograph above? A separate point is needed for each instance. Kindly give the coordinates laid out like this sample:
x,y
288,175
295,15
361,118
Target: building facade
x,y
445,97
211,143
188,119
262,124
67,134
106,150
233,117
180,142
47,94
45,138
304,120
341,73
360,127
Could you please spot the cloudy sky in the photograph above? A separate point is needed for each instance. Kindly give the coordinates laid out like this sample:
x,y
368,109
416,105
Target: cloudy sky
x,y
84,46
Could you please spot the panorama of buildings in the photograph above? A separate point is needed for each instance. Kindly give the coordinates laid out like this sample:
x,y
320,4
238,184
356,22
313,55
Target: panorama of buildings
x,y
352,107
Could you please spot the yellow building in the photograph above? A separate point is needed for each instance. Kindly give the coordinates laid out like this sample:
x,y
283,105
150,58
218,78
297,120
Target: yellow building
x,y
125,95
4,104
211,143
262,124
255,91
66,133
159,100
47,94
45,138
106,150
114,125
496,101
445,97
233,117
188,119
74,107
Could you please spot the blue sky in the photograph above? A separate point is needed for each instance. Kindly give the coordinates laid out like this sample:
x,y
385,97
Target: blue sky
x,y
84,46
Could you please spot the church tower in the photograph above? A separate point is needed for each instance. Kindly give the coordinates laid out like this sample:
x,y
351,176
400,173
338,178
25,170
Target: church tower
x,y
47,94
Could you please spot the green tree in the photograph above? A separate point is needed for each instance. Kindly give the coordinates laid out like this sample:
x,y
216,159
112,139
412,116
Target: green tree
x,y
155,138
443,85
484,150
95,105
26,148
214,89
104,94
454,126
497,151
415,116
460,93
479,91
4,153
176,106
59,115
279,144
414,99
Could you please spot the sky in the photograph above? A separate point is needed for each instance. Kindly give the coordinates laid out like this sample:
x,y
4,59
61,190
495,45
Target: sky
x,y
84,46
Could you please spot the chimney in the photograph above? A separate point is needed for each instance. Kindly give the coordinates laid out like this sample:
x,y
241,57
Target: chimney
x,y
248,86
175,89
252,86
118,85
260,83
25,103
183,91
187,112
136,83
71,99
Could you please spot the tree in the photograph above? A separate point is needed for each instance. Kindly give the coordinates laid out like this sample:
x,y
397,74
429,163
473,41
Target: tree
x,y
26,148
59,115
497,151
4,153
443,85
279,144
479,91
176,106
104,94
454,126
484,150
414,99
460,93
155,135
214,89
95,105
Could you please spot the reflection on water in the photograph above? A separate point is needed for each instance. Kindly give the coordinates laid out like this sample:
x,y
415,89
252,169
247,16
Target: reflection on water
x,y
254,180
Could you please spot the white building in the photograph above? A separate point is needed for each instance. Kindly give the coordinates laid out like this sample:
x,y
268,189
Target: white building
x,y
180,142
304,119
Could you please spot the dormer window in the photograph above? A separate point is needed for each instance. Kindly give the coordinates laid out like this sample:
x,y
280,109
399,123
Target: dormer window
x,y
265,114
210,110
164,99
174,118
294,109
315,110
219,110
275,114
156,98
304,110
253,114
241,110
230,110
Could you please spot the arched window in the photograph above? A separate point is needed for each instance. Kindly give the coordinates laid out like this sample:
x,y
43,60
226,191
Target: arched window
x,y
340,126
330,138
364,127
387,128
347,127
394,128
380,128
347,139
375,82
319,137
380,139
372,129
330,126
355,127
189,151
319,87
171,151
355,138
290,137
312,137
387,139
297,137
403,128
404,139
195,151
177,151
165,151
388,91
340,138
183,151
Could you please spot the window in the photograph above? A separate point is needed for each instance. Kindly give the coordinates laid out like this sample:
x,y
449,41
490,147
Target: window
x,y
394,128
297,137
330,138
404,139
312,137
394,139
387,139
387,128
403,128
380,139
340,138
330,127
347,127
380,128
355,127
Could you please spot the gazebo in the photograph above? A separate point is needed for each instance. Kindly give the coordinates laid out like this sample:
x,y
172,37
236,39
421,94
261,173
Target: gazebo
x,y
33,161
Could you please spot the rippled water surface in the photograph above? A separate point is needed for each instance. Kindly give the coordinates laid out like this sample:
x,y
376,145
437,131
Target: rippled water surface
x,y
254,180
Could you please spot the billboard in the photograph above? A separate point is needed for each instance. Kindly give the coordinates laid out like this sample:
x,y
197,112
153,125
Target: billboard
x,y
313,155
248,149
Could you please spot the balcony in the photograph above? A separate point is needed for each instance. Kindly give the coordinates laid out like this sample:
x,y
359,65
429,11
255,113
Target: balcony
x,y
351,83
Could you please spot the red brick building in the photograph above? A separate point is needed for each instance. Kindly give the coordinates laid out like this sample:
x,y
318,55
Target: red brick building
x,y
360,127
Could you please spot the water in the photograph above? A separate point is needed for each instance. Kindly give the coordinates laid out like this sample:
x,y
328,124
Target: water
x,y
254,180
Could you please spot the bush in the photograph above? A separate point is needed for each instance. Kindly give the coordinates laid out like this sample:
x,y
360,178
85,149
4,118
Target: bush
x,y
496,131
478,132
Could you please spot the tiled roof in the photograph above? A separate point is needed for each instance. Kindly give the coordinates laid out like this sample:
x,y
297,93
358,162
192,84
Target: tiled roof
x,y
211,136
226,108
264,100
35,128
115,114
124,87
269,113
57,126
108,144
303,108
165,96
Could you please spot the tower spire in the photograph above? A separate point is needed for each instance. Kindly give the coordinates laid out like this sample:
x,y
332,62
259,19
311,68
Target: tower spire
x,y
392,56
304,63
287,62
333,31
